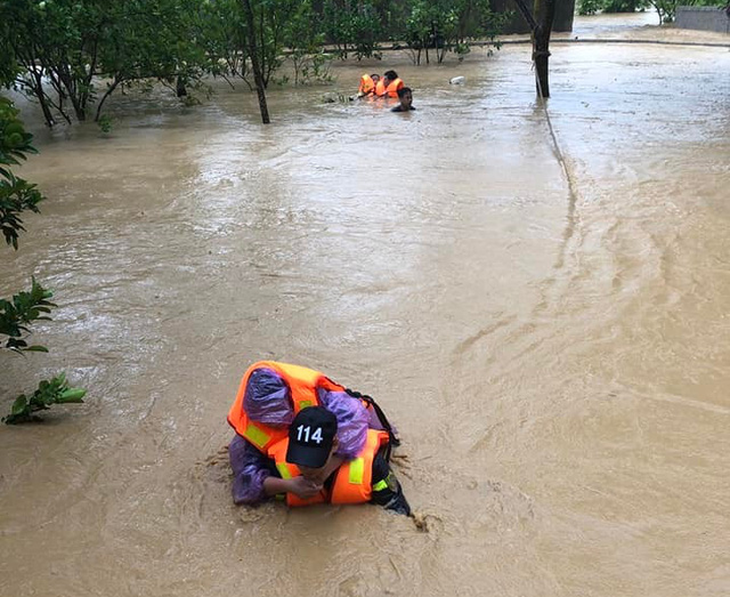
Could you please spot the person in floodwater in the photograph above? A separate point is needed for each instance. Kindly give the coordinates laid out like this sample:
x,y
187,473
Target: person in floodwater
x,y
307,440
367,84
389,85
405,95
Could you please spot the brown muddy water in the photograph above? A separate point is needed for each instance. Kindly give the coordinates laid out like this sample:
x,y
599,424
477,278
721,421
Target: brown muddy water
x,y
558,364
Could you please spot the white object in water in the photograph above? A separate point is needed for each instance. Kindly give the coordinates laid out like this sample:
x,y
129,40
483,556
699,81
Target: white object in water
x,y
457,81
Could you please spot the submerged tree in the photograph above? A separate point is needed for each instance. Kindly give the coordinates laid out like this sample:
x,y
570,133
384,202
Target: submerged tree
x,y
55,44
305,42
157,40
66,49
70,56
255,50
541,26
223,38
352,28
448,26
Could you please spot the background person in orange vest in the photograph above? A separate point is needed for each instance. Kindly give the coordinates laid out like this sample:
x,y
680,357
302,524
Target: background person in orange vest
x,y
267,399
367,84
389,85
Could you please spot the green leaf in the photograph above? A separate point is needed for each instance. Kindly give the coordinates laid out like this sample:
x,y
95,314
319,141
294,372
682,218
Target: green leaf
x,y
72,395
20,404
36,348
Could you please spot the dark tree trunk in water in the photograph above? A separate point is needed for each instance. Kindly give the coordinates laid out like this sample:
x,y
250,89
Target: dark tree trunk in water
x,y
544,11
540,55
180,87
255,65
109,91
38,90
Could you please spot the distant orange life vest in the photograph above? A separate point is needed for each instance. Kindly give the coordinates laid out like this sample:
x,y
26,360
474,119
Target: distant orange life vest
x,y
391,90
303,384
353,482
367,85
393,87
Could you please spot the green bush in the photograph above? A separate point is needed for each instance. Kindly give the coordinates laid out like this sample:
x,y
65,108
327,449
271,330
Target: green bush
x,y
624,5
448,26
23,309
16,194
352,31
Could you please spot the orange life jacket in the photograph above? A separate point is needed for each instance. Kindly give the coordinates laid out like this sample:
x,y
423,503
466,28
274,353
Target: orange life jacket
x,y
303,384
393,87
367,85
353,483
391,90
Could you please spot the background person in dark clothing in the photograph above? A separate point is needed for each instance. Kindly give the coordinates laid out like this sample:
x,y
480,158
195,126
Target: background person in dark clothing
x,y
405,95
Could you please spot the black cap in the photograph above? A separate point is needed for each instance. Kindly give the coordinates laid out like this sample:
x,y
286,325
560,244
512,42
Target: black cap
x,y
310,437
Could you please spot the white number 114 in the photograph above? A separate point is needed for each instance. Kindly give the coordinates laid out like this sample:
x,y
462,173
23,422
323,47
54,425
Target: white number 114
x,y
305,431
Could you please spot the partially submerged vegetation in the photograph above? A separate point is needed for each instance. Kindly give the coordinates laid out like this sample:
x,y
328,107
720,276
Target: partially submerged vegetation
x,y
70,56
666,9
18,314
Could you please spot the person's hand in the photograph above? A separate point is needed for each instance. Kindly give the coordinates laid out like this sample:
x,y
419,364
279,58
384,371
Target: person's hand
x,y
303,488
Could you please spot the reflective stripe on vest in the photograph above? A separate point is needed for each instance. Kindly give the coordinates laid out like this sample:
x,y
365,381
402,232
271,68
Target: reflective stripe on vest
x,y
303,384
380,485
354,481
357,471
283,470
257,435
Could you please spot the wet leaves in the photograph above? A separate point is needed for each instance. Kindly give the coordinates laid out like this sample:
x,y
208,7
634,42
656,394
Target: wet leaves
x,y
54,391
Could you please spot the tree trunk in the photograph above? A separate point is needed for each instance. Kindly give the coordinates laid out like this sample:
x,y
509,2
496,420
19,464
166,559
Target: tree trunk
x,y
180,87
545,12
540,55
255,64
65,77
39,93
109,91
541,25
